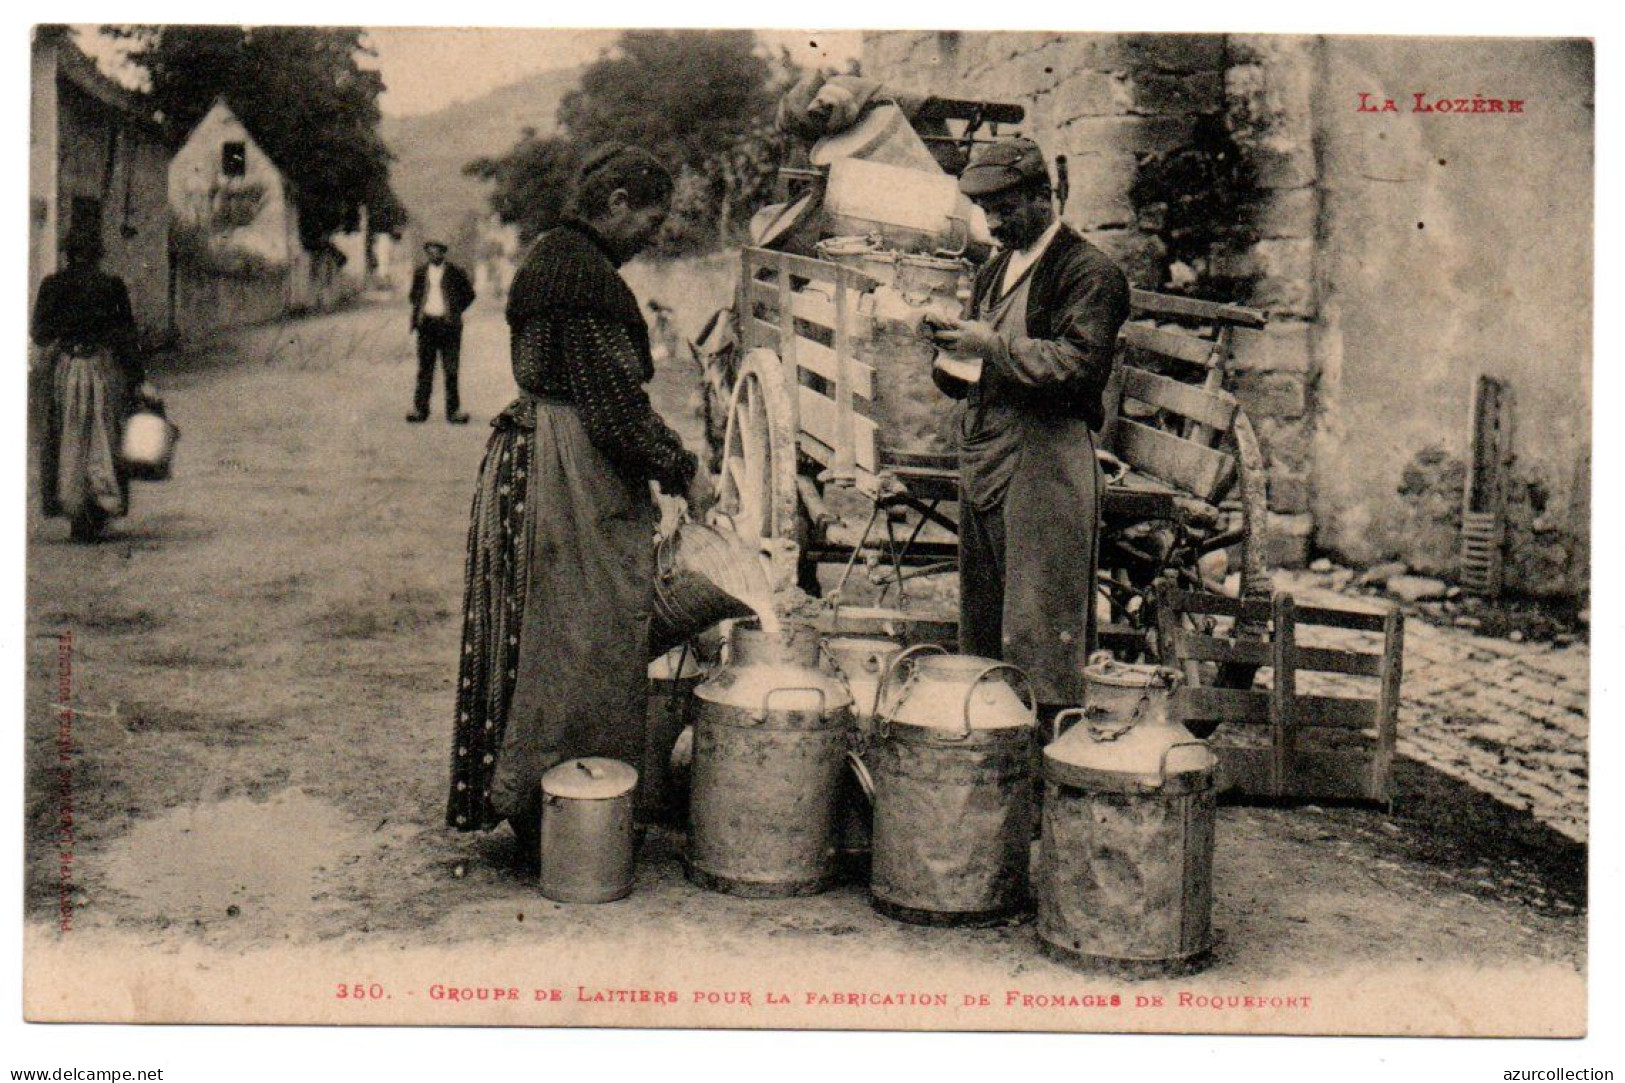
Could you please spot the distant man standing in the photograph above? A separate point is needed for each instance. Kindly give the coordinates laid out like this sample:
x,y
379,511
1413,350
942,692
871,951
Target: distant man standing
x,y
1043,320
441,292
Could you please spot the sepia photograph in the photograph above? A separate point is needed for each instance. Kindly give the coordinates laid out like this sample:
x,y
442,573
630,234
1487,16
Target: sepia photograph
x,y
775,529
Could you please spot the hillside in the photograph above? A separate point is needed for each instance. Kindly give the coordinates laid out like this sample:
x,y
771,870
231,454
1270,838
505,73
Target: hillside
x,y
431,149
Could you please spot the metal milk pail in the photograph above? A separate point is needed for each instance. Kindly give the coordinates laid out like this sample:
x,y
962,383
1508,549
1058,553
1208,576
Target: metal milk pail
x,y
587,840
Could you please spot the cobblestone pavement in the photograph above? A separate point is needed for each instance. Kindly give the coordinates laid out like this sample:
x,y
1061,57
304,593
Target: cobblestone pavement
x,y
1509,719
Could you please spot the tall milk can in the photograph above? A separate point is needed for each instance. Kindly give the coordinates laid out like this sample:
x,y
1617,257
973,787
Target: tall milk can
x,y
1125,869
859,660
952,764
769,749
587,832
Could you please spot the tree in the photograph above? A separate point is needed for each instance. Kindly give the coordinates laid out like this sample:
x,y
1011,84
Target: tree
x,y
700,100
531,183
304,96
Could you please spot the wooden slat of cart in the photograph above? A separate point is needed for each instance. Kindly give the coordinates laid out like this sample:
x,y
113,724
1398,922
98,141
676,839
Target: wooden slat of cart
x,y
1178,345
819,421
1162,304
817,358
1215,409
1201,471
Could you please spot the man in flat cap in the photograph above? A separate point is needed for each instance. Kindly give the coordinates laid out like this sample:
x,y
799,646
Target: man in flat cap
x,y
1043,318
441,292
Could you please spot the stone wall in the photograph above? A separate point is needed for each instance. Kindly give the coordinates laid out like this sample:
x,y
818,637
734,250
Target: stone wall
x,y
1454,245
1398,256
1152,124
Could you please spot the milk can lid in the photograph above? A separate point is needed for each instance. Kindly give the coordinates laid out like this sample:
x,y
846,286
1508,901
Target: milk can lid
x,y
591,778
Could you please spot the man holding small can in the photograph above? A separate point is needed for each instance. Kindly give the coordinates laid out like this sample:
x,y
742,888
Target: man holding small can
x,y
1043,322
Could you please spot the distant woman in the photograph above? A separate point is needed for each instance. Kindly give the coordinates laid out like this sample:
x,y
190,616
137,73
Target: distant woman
x,y
85,329
560,556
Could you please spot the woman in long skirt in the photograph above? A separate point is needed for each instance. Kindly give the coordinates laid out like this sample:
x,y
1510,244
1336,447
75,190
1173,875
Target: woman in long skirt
x,y
83,325
560,546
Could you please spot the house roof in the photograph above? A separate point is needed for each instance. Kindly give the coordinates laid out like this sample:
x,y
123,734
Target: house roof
x,y
220,102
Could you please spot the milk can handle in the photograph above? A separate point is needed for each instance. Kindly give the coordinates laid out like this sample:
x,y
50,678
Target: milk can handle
x,y
767,697
1162,762
885,678
1032,694
1055,725
592,772
959,228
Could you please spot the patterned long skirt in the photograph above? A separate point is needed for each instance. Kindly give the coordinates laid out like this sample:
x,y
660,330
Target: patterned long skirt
x,y
556,615
496,576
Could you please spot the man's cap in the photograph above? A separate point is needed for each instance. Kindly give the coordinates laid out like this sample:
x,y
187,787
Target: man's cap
x,y
442,245
995,167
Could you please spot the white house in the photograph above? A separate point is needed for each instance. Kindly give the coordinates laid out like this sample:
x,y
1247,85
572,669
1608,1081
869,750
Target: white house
x,y
240,259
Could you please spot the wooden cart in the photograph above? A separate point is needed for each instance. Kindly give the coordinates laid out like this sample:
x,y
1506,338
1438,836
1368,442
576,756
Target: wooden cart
x,y
1185,474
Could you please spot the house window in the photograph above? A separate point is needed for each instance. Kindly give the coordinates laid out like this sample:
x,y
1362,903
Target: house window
x,y
233,159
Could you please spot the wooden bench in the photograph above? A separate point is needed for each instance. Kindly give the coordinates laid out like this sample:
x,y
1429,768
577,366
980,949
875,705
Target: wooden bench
x,y
1315,746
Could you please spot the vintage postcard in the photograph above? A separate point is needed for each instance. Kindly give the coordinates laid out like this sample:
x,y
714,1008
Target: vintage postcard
x,y
862,530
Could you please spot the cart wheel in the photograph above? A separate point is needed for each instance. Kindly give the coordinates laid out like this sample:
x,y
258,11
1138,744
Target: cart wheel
x,y
757,490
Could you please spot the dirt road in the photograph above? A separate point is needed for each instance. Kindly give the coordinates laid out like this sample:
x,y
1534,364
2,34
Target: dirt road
x,y
260,665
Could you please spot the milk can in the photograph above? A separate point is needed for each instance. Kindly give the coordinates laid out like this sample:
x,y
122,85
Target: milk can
x,y
1125,870
587,838
860,661
769,749
952,767
673,677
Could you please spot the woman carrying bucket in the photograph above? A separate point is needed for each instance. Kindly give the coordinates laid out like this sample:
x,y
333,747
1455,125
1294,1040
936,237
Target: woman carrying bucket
x,y
83,326
560,563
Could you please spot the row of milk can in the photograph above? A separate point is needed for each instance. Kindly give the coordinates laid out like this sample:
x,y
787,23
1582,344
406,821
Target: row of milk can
x,y
790,732
945,745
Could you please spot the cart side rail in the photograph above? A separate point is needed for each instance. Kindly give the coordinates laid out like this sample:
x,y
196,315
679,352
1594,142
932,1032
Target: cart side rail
x,y
807,311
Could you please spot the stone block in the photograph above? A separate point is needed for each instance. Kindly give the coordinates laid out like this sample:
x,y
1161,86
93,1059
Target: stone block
x,y
1287,540
1100,181
1286,212
1289,493
1285,275
1280,163
1284,296
1270,98
1283,346
1286,442
1092,94
898,55
1180,53
1271,394
1182,95
1024,63
1270,48
1140,255
1137,135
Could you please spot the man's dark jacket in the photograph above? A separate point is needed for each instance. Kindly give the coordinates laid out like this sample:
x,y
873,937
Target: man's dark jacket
x,y
1078,301
454,284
